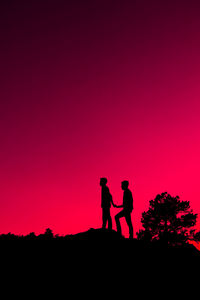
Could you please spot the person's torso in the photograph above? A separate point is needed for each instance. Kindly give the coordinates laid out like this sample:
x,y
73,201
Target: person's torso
x,y
105,197
128,200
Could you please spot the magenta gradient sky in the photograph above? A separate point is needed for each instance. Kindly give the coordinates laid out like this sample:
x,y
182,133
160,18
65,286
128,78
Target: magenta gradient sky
x,y
91,89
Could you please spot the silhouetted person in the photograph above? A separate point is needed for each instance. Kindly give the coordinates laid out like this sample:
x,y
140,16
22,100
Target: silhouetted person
x,y
106,200
127,209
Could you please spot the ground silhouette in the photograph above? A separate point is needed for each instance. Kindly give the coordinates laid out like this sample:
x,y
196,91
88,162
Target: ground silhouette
x,y
107,240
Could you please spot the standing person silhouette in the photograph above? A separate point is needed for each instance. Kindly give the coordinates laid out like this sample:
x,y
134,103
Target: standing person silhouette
x,y
106,200
127,209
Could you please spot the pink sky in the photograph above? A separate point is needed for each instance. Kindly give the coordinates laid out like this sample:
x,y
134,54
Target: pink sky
x,y
90,90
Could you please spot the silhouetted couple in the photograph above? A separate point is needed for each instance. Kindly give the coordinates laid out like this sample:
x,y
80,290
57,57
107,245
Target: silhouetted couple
x,y
106,201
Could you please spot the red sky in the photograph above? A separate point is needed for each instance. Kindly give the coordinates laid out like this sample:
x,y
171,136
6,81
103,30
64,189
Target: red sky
x,y
91,89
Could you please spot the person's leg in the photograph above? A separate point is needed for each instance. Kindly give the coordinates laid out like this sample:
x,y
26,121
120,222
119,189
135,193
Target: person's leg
x,y
109,221
117,217
104,218
129,223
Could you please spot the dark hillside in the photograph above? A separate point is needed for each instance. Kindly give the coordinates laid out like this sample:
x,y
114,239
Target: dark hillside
x,y
96,257
95,239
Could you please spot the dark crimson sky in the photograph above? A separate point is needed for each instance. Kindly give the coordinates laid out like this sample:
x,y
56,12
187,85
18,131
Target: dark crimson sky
x,y
91,89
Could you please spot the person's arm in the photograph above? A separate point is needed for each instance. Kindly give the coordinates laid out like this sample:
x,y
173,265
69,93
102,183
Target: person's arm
x,y
111,200
119,206
114,205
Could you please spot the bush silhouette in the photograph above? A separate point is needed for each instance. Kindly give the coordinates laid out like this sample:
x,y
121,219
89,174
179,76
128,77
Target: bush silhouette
x,y
169,221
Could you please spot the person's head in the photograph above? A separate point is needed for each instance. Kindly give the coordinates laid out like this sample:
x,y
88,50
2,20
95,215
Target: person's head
x,y
124,184
103,181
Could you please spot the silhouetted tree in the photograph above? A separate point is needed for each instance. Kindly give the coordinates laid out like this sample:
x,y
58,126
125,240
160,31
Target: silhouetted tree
x,y
169,221
30,236
48,232
47,235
